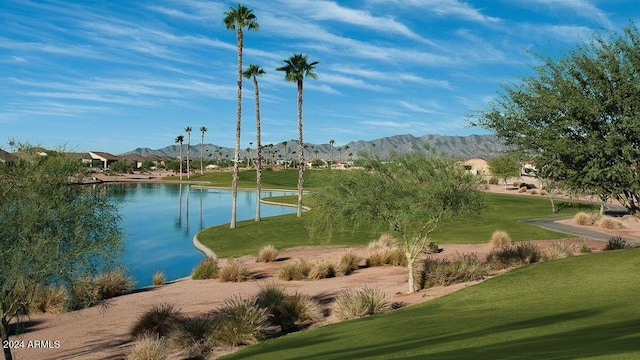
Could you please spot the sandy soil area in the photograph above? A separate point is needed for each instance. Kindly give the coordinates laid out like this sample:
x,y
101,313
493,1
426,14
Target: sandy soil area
x,y
102,332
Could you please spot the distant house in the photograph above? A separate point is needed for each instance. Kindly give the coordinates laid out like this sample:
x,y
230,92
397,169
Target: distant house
x,y
477,166
105,158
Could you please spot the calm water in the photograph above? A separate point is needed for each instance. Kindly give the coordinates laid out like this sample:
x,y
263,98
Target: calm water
x,y
160,221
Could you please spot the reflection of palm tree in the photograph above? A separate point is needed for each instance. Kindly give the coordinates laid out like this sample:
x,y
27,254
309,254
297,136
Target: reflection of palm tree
x,y
179,220
186,229
188,131
180,140
296,69
236,19
201,222
202,130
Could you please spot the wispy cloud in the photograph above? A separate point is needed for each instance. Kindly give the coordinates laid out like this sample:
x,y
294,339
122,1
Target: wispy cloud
x,y
446,8
583,8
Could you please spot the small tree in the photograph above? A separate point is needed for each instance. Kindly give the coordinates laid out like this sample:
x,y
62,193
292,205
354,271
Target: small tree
x,y
504,167
408,195
51,232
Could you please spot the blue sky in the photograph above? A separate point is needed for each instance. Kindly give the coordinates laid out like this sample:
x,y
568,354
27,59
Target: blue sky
x,y
116,75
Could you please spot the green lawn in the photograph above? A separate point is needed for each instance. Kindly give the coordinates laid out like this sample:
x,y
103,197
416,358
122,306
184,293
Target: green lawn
x,y
502,212
580,307
277,179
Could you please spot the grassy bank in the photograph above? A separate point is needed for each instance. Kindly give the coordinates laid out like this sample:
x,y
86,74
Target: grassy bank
x,y
276,179
580,307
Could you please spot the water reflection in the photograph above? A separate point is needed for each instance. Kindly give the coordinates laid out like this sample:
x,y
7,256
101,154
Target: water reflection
x,y
159,223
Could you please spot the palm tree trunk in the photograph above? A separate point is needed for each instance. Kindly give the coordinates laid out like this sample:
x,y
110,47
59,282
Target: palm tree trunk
x,y
201,154
180,161
300,152
236,155
259,150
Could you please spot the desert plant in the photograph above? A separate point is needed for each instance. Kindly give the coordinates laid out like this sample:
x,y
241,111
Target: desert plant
x,y
585,249
352,304
158,278
297,269
558,250
432,248
543,192
533,192
239,322
616,243
87,291
321,269
206,269
494,181
522,189
385,251
514,255
500,239
585,218
608,222
49,299
148,347
191,337
234,270
275,300
305,308
383,242
347,263
160,320
267,254
443,272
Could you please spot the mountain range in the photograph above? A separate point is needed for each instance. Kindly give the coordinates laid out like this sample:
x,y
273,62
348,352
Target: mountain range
x,y
485,146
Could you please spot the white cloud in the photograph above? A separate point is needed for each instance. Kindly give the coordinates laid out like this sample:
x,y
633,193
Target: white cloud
x,y
446,8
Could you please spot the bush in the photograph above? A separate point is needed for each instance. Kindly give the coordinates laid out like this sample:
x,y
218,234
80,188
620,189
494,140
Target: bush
x,y
543,192
49,299
239,322
285,311
321,269
297,269
494,181
558,250
385,251
607,222
148,347
267,254
160,320
522,189
353,304
206,269
192,337
616,243
585,249
514,255
87,291
500,239
158,278
533,192
347,264
584,218
444,273
433,248
234,271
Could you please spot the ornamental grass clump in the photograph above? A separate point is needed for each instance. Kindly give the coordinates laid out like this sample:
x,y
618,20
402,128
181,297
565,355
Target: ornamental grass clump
x,y
206,269
608,222
158,278
88,291
385,251
586,218
297,269
500,239
514,255
617,243
239,322
159,321
234,270
267,254
49,299
559,250
442,272
287,311
348,263
191,337
321,269
357,303
148,347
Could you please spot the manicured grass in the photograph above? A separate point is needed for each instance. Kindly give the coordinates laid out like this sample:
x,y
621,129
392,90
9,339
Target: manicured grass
x,y
276,179
579,307
502,212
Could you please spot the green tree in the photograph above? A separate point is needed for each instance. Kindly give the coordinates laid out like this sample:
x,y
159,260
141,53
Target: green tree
x,y
504,167
51,231
180,140
296,69
237,19
202,131
252,73
579,117
407,196
122,166
188,130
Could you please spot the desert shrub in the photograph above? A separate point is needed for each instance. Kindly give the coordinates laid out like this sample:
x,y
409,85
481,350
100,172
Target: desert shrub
x,y
297,269
160,320
585,218
158,278
206,269
87,291
191,337
321,269
267,254
514,255
533,192
607,222
558,250
385,251
305,308
352,304
383,242
518,184
347,264
522,189
432,248
543,192
49,299
285,311
584,248
148,347
234,270
500,239
239,322
444,273
616,243
494,181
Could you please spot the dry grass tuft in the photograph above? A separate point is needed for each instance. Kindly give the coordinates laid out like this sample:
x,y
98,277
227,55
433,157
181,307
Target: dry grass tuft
x,y
234,270
206,269
585,218
158,278
321,269
523,189
159,321
49,299
148,347
559,250
500,239
608,222
347,264
353,304
297,269
268,254
385,251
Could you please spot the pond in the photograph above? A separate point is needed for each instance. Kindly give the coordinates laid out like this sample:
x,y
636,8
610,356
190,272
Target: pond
x,y
160,220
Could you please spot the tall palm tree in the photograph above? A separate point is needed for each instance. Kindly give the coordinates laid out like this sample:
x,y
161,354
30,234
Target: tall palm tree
x,y
188,130
202,130
236,19
296,69
331,142
252,72
180,140
284,143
